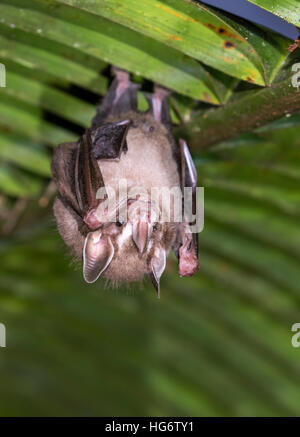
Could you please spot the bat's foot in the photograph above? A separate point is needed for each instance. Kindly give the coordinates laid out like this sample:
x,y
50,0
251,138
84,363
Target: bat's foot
x,y
120,99
120,74
158,103
160,92
122,78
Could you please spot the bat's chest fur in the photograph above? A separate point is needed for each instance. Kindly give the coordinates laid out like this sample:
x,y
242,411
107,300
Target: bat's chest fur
x,y
149,160
148,163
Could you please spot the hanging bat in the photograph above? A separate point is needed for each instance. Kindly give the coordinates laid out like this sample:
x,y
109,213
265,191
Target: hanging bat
x,y
138,147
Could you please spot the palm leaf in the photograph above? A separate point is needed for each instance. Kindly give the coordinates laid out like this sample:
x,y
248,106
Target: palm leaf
x,y
215,344
289,10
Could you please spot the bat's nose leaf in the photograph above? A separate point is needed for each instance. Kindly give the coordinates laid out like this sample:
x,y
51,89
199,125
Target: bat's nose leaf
x,y
157,266
98,252
141,232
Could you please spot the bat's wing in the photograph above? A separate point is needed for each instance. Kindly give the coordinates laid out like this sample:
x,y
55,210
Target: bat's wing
x,y
88,180
109,140
63,171
187,245
121,98
78,177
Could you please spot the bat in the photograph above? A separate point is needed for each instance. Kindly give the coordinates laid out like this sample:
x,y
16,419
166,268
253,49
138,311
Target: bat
x,y
124,144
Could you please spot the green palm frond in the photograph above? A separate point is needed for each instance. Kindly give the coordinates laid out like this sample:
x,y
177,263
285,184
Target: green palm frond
x,y
215,344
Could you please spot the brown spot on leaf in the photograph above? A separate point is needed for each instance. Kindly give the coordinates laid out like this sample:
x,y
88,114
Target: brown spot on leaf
x,y
224,31
208,97
228,45
177,38
171,11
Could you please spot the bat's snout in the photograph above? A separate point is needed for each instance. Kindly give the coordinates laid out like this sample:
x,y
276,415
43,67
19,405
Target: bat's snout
x,y
143,216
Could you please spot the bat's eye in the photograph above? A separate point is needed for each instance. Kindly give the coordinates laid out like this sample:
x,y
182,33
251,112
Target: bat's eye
x,y
119,224
154,229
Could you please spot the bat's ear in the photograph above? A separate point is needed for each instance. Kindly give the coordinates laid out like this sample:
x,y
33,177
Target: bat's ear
x,y
98,252
157,267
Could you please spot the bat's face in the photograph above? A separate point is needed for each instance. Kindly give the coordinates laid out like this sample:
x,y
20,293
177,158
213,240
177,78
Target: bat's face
x,y
135,244
128,250
122,251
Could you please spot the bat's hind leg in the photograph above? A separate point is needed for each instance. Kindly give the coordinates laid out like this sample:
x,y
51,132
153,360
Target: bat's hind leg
x,y
109,137
121,98
159,106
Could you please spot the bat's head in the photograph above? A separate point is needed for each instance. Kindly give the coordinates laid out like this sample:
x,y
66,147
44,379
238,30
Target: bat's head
x,y
127,250
124,251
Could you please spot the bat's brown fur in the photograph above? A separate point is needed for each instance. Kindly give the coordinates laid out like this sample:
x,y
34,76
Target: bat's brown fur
x,y
148,159
149,162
